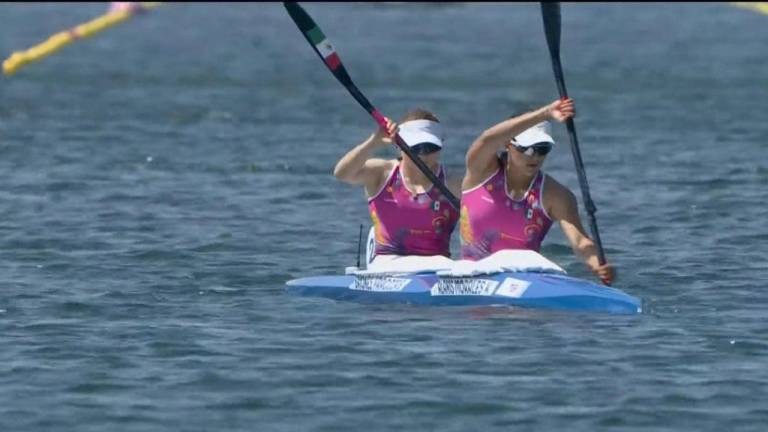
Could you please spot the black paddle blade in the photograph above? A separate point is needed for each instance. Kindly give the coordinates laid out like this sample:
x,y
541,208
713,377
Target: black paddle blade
x,y
318,41
550,12
315,36
302,19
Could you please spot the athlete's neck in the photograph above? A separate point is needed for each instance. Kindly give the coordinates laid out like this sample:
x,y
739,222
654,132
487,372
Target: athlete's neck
x,y
518,182
414,178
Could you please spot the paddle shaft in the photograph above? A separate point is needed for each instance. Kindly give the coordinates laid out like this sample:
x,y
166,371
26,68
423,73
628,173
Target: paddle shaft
x,y
311,31
551,15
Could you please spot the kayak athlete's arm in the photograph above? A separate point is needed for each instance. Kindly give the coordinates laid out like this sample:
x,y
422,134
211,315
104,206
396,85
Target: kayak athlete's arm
x,y
563,208
358,168
481,157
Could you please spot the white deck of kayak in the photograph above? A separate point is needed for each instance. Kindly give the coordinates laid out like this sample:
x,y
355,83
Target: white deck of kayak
x,y
501,261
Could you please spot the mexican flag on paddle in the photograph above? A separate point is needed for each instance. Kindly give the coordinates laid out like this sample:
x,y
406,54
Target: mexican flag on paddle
x,y
326,51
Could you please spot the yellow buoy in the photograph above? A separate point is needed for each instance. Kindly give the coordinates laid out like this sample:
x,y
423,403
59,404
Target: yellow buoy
x,y
60,40
761,7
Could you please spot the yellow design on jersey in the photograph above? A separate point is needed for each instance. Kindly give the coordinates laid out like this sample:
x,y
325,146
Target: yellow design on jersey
x,y
464,228
378,235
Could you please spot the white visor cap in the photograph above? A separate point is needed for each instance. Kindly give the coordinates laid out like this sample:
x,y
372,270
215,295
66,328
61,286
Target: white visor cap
x,y
534,135
415,132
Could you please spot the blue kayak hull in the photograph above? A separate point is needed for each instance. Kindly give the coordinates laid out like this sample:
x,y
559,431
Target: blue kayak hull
x,y
533,290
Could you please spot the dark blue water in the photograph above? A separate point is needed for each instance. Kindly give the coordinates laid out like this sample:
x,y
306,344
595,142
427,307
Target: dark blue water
x,y
161,181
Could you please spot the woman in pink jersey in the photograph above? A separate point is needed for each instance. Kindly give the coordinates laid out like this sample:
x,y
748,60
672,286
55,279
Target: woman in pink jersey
x,y
508,202
410,216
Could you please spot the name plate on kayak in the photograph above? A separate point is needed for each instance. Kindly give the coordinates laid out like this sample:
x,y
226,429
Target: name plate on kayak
x,y
463,286
378,283
512,287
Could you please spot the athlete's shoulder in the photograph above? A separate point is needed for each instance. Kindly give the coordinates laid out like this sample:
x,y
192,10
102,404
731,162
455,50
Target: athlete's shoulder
x,y
557,197
382,164
472,180
556,189
454,184
379,173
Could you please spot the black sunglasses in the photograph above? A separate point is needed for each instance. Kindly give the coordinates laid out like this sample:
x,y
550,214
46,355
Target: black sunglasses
x,y
540,149
425,148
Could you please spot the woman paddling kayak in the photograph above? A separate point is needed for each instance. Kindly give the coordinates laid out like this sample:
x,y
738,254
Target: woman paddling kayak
x,y
508,202
410,216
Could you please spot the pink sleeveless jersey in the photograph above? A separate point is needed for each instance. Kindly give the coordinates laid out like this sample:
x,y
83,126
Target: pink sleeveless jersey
x,y
411,224
492,221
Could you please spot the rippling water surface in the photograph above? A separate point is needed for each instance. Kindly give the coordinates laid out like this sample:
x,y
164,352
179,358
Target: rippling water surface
x,y
161,181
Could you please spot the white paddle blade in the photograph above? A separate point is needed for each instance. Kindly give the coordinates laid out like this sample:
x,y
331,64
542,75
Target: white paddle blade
x,y
370,247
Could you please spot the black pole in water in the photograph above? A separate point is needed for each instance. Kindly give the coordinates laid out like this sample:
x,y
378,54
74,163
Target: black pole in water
x,y
359,242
